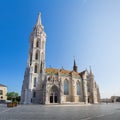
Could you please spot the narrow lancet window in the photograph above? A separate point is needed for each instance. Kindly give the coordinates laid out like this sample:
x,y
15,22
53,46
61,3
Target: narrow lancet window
x,y
66,87
37,44
35,69
78,87
36,56
34,82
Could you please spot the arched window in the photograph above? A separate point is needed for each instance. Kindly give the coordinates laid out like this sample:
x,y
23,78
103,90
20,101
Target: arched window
x,y
88,87
35,69
36,55
34,82
37,44
78,87
66,87
30,58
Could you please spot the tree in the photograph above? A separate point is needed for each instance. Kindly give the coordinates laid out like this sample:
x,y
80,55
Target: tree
x,y
12,95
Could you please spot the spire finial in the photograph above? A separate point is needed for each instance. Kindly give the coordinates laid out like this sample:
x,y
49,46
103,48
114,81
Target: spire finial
x,y
74,66
74,61
39,19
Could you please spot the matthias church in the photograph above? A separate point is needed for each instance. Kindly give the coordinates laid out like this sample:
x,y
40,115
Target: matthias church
x,y
43,85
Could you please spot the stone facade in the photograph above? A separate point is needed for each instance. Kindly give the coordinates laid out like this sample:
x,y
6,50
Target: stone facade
x,y
3,92
50,85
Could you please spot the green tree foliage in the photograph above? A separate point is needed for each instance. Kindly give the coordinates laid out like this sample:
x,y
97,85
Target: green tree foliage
x,y
18,99
12,95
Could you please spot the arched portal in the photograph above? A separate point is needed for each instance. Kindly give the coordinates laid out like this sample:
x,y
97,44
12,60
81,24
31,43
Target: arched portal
x,y
54,94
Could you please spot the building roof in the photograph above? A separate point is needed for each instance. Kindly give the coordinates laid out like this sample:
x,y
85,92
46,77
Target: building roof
x,y
51,70
1,85
61,71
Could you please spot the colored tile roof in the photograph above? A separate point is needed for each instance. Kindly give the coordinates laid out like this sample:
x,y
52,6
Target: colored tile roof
x,y
51,70
61,71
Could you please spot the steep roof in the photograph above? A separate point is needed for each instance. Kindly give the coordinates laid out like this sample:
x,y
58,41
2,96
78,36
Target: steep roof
x,y
1,85
61,71
51,70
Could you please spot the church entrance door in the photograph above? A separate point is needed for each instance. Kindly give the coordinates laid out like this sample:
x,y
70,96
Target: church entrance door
x,y
55,99
51,99
54,95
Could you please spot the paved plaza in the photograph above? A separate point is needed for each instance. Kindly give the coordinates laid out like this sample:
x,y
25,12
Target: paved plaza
x,y
61,112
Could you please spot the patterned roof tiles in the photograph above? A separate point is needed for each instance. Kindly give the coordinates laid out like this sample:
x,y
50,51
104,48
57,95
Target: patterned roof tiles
x,y
61,71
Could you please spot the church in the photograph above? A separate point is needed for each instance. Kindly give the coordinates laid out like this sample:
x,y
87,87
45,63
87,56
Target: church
x,y
43,85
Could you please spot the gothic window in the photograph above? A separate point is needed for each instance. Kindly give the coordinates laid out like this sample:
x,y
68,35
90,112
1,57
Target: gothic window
x,y
35,69
66,87
34,94
34,82
36,55
30,58
1,92
78,87
37,44
88,87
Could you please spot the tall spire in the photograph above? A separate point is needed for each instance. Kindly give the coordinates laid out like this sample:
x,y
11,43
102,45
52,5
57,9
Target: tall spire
x,y
75,66
39,19
91,71
74,62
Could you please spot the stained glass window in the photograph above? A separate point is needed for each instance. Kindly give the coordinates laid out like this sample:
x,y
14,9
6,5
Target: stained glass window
x,y
78,87
35,82
66,87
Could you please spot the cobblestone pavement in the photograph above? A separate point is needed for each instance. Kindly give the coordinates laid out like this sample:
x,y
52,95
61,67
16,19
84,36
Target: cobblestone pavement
x,y
3,107
61,112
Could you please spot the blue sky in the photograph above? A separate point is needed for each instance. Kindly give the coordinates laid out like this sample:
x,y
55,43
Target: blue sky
x,y
86,29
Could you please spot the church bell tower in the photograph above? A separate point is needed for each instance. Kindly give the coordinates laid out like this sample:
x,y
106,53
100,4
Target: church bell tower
x,y
37,47
32,84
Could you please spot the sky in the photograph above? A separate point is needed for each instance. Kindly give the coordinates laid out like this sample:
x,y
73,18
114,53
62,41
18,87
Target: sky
x,y
85,29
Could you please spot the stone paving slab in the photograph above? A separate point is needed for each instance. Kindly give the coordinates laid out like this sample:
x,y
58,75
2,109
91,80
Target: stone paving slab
x,y
3,107
53,112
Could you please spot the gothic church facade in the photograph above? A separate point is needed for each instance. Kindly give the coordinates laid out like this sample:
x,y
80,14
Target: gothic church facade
x,y
50,85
